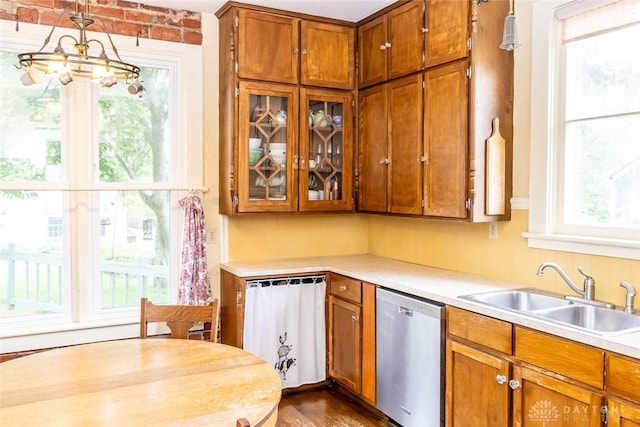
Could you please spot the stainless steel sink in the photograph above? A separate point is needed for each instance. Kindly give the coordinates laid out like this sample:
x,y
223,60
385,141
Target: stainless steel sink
x,y
594,319
555,308
520,299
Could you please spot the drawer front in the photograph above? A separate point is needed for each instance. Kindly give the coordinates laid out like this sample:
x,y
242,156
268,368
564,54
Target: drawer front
x,y
486,331
568,358
345,287
623,378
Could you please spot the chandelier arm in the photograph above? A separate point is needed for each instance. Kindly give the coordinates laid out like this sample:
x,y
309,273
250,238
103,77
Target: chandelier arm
x,y
46,40
99,42
66,36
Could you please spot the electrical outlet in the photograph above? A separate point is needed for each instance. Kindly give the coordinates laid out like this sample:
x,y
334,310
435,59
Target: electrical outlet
x,y
212,236
493,230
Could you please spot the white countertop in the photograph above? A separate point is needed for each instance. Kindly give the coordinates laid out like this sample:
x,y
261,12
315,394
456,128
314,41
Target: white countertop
x,y
435,284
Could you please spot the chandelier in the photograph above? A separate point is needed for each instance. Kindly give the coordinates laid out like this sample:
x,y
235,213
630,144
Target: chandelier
x,y
76,61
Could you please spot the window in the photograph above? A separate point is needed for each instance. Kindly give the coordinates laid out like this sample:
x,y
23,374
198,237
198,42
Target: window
x,y
585,149
88,219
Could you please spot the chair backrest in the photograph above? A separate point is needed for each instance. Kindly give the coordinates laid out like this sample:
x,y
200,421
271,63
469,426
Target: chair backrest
x,y
180,318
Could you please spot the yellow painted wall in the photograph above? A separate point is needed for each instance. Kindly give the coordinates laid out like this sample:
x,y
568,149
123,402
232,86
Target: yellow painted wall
x,y
295,236
467,248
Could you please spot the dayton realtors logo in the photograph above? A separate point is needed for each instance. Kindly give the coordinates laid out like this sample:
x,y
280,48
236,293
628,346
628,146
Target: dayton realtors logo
x,y
544,411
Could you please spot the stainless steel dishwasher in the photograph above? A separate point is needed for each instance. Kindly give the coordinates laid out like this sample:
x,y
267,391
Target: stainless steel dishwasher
x,y
409,359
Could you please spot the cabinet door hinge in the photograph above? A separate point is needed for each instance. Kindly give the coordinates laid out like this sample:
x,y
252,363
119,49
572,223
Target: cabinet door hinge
x,y
237,92
237,67
604,414
422,204
469,73
469,43
237,20
467,204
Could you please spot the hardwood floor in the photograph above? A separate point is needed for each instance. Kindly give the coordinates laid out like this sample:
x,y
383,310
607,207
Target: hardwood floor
x,y
325,407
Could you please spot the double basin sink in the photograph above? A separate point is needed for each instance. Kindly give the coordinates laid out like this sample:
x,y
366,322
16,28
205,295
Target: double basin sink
x,y
555,308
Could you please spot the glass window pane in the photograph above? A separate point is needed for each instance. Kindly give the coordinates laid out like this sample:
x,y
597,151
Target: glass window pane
x,y
31,254
602,77
30,122
602,157
134,131
134,247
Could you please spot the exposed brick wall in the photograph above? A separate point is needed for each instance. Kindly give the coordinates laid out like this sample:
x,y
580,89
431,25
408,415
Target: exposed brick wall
x,y
120,17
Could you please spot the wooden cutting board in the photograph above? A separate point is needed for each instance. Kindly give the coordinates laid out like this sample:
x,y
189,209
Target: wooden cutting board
x,y
495,203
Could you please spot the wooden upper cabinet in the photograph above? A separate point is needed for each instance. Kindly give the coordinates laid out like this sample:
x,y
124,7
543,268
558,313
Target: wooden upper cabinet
x,y
372,149
327,55
445,140
447,31
390,154
267,47
405,39
372,56
405,150
391,45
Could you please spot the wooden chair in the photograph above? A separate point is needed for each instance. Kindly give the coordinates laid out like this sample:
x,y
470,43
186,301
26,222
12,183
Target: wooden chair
x,y
180,318
243,422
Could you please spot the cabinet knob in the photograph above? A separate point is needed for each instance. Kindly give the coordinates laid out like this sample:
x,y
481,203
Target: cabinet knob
x,y
304,51
501,379
387,45
383,46
514,384
355,318
385,161
343,288
298,161
425,30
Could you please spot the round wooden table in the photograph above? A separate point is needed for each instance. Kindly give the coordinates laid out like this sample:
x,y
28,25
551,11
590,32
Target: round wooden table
x,y
152,382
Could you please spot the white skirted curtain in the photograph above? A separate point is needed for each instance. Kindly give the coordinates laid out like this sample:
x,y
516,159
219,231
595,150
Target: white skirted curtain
x,y
194,287
285,325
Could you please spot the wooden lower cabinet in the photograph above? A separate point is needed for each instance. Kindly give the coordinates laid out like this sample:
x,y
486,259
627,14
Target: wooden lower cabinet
x,y
345,337
623,414
476,390
351,335
541,398
529,378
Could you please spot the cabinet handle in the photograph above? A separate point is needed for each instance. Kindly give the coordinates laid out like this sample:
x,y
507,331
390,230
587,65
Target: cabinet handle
x,y
387,45
355,318
343,288
514,384
385,161
425,30
304,51
501,379
383,46
296,50
299,160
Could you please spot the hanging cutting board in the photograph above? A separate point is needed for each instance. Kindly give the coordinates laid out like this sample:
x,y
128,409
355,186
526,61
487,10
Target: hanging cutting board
x,y
495,171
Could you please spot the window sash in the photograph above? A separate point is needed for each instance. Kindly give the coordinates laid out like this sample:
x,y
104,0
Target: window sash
x,y
81,188
544,156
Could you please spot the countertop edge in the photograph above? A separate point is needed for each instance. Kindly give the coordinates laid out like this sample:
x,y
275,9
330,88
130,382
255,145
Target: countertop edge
x,y
444,286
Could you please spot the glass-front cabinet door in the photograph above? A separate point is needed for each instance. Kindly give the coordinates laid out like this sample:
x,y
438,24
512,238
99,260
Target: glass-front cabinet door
x,y
325,165
267,147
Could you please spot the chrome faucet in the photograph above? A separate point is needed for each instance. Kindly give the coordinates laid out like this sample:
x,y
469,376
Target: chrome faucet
x,y
631,292
589,284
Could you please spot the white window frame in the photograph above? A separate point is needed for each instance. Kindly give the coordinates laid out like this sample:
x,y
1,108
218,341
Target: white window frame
x,y
87,323
543,189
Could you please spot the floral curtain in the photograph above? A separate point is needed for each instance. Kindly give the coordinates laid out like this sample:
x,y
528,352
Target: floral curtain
x,y
194,287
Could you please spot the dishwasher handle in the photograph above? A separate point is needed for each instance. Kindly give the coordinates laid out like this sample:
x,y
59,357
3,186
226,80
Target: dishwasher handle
x,y
405,311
